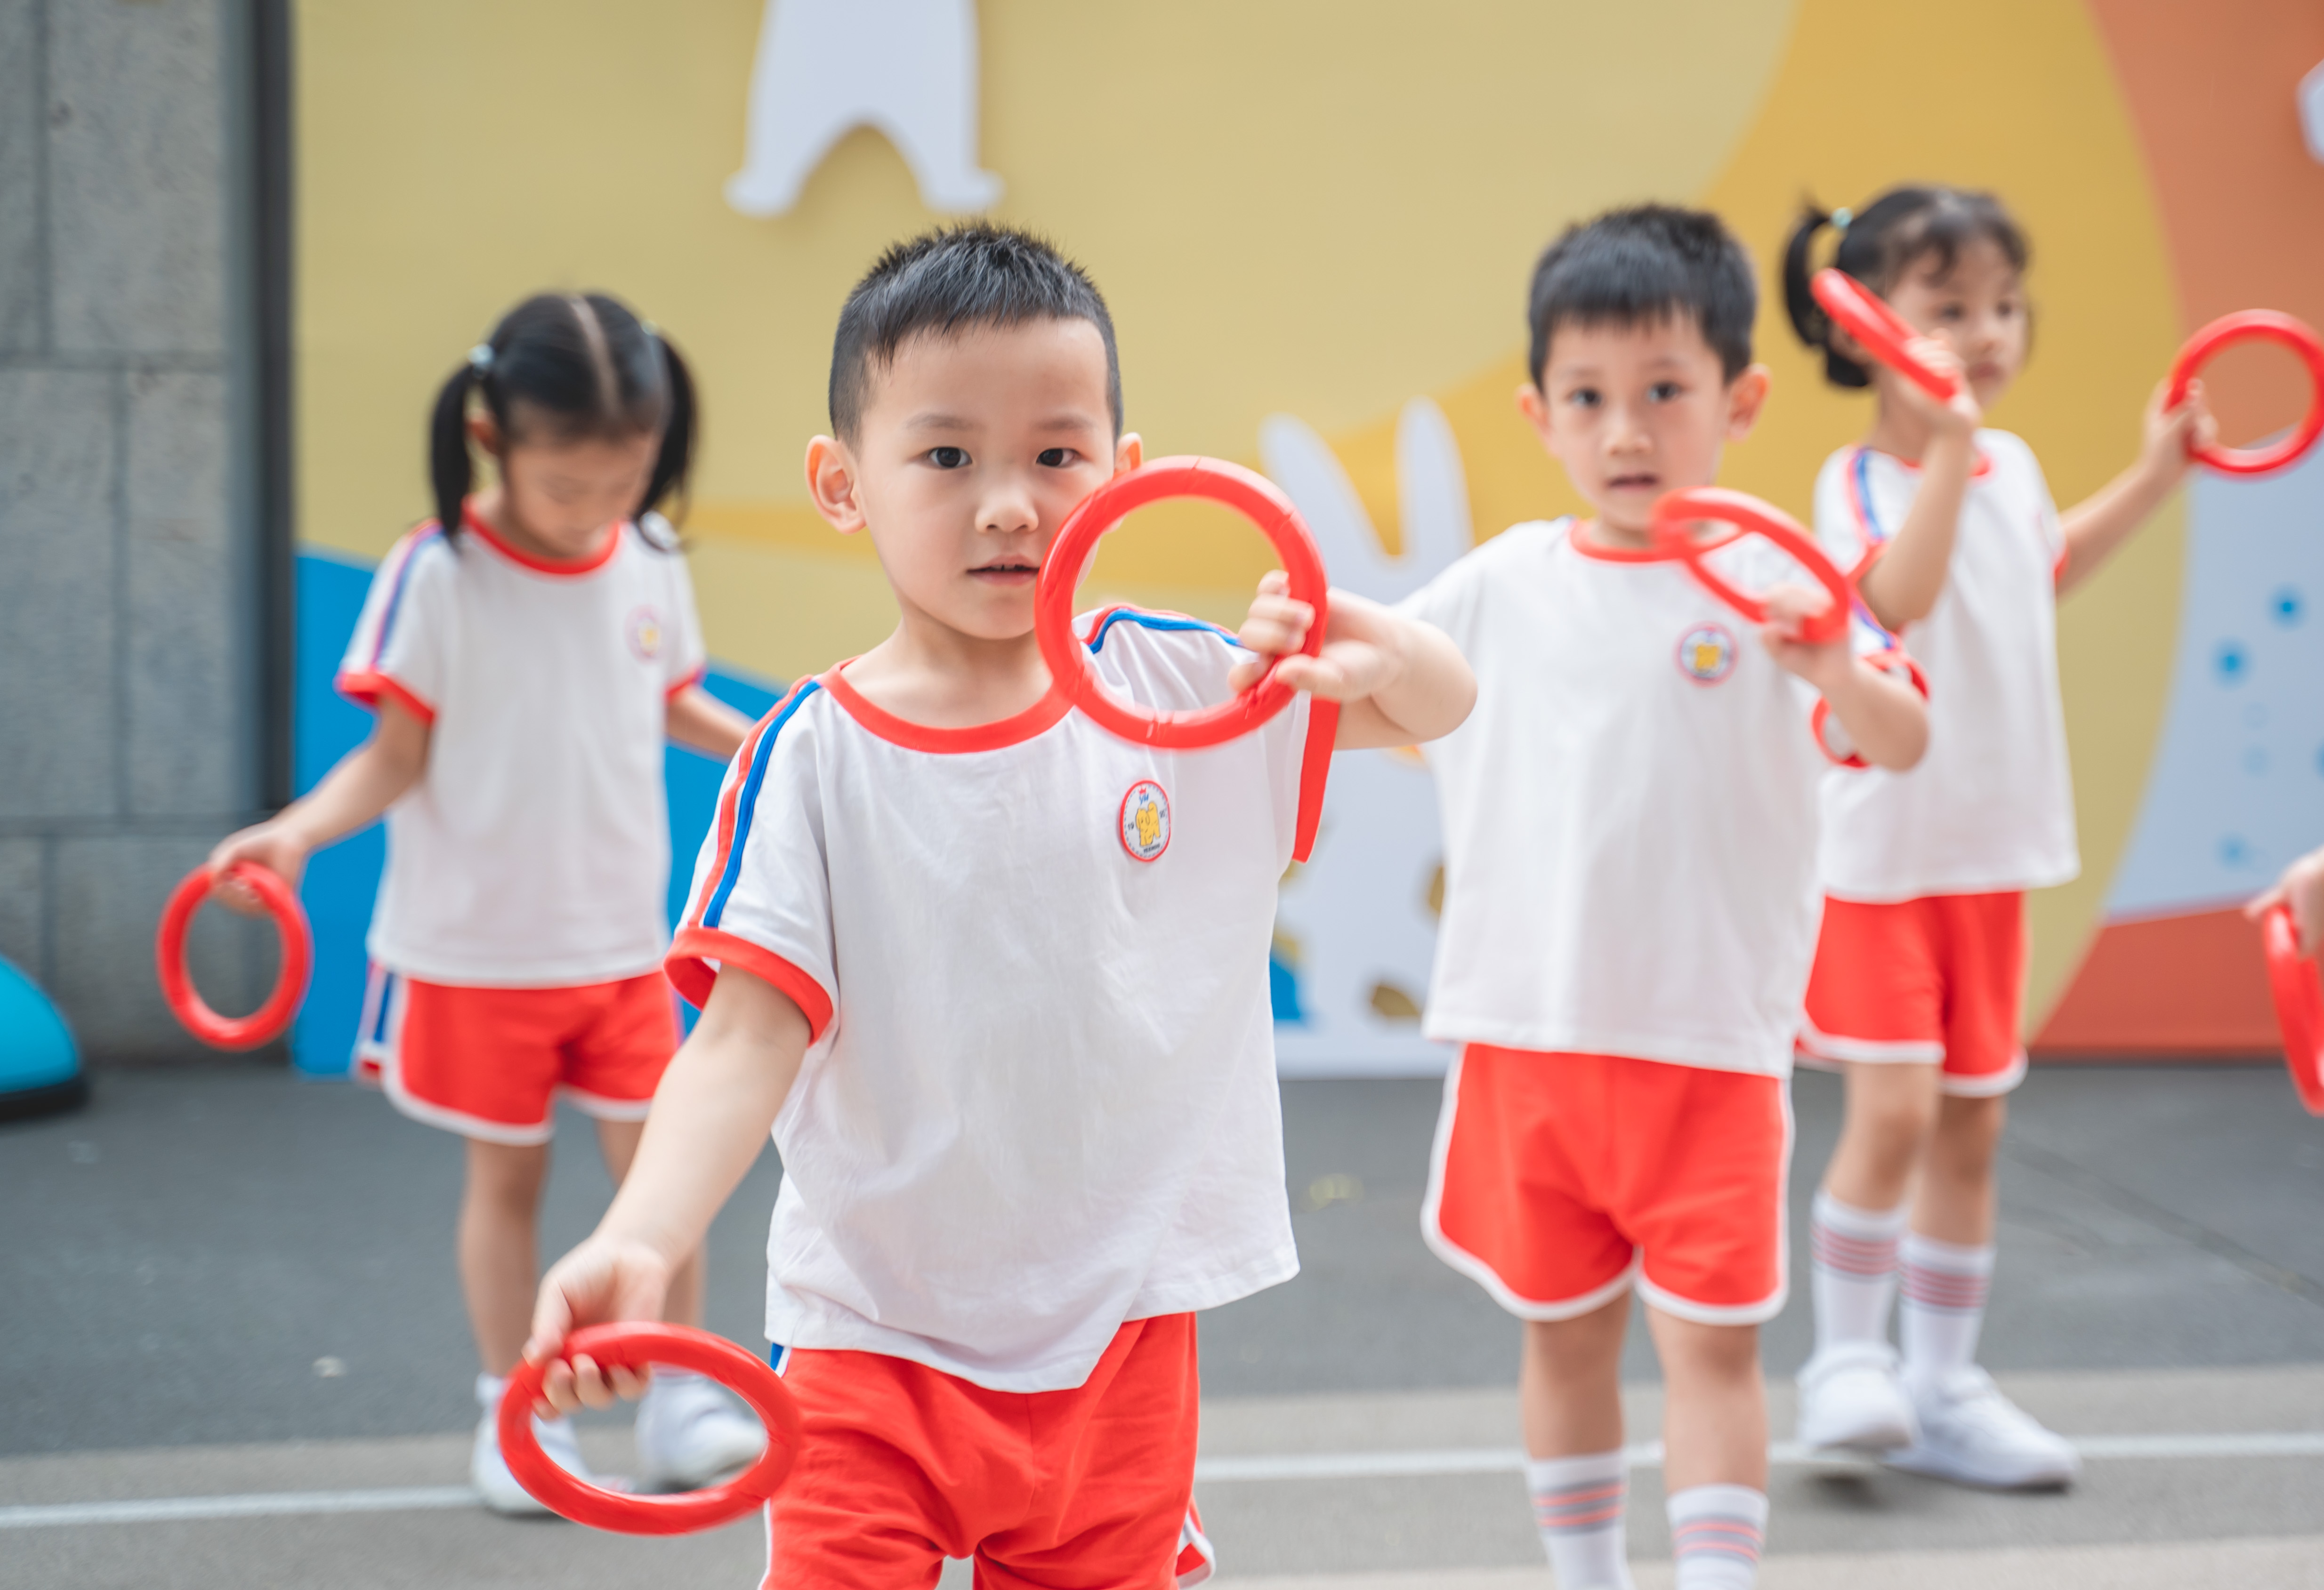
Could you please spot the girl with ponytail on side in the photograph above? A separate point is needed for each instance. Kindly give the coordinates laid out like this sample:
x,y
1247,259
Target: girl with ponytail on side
x,y
1917,991
530,652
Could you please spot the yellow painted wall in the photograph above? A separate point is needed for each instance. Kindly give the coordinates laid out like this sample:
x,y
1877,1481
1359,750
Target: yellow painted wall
x,y
1321,209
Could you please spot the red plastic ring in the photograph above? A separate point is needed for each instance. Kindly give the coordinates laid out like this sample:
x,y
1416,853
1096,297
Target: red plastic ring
x,y
266,1024
1883,332
1675,517
2262,325
1071,665
634,1345
2299,993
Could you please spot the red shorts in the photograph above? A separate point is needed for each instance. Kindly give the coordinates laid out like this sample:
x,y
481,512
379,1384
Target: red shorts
x,y
1559,1178
902,1465
1937,980
491,1062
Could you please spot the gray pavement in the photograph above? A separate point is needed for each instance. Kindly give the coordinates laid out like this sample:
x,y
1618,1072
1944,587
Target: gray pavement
x,y
231,1284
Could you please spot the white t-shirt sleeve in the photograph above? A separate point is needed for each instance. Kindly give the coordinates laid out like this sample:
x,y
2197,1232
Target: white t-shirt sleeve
x,y
1448,602
400,643
761,894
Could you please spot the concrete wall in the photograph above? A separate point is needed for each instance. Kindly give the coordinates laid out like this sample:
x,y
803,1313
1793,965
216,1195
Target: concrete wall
x,y
129,699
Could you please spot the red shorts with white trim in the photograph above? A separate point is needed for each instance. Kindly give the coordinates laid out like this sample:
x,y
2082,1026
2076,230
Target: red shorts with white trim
x,y
490,1063
1561,1179
902,1465
1933,982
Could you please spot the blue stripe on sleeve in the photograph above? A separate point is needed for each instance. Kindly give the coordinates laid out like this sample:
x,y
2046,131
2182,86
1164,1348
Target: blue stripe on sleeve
x,y
1150,620
395,593
746,805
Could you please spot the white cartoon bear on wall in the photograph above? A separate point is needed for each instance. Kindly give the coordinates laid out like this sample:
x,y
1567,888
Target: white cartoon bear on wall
x,y
826,67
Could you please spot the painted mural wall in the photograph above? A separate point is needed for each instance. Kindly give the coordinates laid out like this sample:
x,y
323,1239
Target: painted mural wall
x,y
1315,224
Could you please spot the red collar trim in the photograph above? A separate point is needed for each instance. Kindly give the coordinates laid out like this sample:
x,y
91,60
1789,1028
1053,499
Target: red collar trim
x,y
1037,718
562,567
1605,553
1984,462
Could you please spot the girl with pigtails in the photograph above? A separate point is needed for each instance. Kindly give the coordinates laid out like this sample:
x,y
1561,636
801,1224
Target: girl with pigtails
x,y
527,653
1918,986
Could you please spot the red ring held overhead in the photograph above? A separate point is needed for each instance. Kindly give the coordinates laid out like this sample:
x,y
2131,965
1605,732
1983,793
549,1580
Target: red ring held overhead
x,y
1213,480
2248,326
1885,333
634,1345
2292,979
1677,514
266,1024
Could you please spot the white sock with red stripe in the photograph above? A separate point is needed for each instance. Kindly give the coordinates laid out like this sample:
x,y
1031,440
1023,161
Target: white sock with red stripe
x,y
1577,1506
1854,1275
1716,1533
1945,1287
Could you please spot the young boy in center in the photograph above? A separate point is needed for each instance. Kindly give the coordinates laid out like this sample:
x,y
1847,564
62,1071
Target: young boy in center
x,y
996,979
1630,902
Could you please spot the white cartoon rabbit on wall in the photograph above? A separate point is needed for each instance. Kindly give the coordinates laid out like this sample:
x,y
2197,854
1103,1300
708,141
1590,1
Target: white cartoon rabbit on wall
x,y
1357,924
907,68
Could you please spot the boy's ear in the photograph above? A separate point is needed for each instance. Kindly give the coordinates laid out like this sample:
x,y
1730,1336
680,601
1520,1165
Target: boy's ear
x,y
831,481
1747,394
1129,453
1534,407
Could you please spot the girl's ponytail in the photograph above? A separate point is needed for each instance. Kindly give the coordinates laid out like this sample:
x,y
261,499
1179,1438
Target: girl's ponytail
x,y
566,367
675,459
450,470
1808,316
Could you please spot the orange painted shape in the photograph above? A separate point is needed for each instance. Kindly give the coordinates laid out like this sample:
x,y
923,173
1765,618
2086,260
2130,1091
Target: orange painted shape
x,y
2183,986
2211,89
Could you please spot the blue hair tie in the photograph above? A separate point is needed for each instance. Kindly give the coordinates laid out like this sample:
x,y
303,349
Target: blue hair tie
x,y
481,358
1840,219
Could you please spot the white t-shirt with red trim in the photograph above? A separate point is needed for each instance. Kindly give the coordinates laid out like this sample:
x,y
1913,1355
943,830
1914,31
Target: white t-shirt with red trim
x,y
1040,1098
534,852
1991,806
1629,811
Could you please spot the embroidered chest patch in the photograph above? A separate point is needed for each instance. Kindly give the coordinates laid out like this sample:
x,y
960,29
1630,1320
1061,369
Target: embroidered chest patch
x,y
642,629
1706,653
1145,820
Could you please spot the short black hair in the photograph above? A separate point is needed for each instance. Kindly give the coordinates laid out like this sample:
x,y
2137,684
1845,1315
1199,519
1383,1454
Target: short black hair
x,y
950,279
1649,262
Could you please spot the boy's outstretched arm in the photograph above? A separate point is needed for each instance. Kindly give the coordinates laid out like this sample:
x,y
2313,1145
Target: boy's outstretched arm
x,y
1397,681
710,1117
1884,716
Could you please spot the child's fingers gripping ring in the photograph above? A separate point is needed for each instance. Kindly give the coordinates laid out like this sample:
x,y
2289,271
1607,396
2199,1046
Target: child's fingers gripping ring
x,y
1678,512
633,1346
2264,326
2292,979
266,1024
1884,334
1070,662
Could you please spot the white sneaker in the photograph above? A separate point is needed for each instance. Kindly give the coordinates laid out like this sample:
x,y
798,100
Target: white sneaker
x,y
690,1433
1852,1399
1973,1434
488,1471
